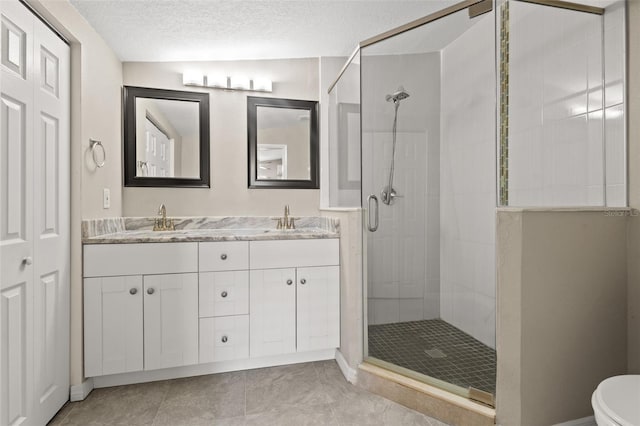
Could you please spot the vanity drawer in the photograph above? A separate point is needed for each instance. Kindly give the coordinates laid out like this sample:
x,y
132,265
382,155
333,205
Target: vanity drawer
x,y
294,253
224,256
104,260
224,338
224,293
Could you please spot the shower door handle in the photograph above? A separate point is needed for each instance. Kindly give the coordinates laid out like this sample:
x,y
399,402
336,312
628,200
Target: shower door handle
x,y
371,228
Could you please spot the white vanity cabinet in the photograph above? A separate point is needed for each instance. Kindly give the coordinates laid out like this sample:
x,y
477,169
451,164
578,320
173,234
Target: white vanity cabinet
x,y
140,307
294,296
223,305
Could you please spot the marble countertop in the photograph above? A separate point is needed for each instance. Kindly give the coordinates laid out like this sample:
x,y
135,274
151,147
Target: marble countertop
x,y
145,236
138,230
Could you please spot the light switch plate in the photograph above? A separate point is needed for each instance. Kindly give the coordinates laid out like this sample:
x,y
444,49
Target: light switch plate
x,y
106,198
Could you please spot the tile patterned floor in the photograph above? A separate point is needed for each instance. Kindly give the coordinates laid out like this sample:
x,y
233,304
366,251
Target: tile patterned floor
x,y
466,361
301,394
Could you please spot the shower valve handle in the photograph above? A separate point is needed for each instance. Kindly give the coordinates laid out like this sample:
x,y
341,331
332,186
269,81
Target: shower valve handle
x,y
387,197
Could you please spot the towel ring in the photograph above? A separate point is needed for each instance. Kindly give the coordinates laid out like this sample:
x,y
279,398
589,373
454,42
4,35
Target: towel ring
x,y
94,144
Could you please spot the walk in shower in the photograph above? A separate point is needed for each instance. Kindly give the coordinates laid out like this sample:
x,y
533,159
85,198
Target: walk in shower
x,y
432,127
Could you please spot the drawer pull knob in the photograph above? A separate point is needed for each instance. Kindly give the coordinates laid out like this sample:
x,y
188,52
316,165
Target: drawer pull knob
x,y
133,291
303,281
223,294
224,339
289,282
27,260
223,256
150,290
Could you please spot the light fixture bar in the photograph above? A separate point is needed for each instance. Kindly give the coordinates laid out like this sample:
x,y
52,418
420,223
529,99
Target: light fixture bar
x,y
219,81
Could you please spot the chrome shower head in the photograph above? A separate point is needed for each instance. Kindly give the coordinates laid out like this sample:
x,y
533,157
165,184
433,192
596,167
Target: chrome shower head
x,y
399,95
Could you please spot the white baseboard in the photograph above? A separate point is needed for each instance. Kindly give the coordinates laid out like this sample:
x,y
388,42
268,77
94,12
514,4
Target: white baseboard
x,y
81,391
349,373
585,421
211,368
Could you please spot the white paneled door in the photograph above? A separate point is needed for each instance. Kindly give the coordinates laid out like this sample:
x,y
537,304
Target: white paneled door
x,y
34,219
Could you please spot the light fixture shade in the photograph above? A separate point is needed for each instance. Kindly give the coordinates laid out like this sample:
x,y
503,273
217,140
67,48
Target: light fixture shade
x,y
239,82
263,85
217,80
192,78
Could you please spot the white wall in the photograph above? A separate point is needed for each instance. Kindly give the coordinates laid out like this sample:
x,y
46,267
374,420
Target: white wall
x,y
467,185
228,195
557,153
403,264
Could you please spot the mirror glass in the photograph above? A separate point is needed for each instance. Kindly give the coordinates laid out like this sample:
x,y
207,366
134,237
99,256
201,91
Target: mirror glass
x,y
283,143
166,139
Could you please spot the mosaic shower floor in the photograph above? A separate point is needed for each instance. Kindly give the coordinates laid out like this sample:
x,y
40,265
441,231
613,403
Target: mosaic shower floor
x,y
437,349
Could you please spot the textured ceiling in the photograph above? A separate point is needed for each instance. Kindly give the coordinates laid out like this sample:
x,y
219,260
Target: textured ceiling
x,y
195,30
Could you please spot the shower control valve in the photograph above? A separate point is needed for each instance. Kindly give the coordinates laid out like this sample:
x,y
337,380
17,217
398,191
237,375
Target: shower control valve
x,y
388,197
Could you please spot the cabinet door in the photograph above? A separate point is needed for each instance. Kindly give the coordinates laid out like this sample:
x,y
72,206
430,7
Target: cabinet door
x,y
112,325
318,308
272,300
170,320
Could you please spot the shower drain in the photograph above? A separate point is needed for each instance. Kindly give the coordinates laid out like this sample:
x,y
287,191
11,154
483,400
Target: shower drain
x,y
435,353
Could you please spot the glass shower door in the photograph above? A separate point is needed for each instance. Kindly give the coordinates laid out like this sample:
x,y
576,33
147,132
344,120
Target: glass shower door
x,y
428,189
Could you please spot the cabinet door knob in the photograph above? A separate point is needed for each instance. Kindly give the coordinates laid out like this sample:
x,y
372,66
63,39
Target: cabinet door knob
x,y
289,282
27,260
150,290
224,339
303,281
133,291
223,256
223,294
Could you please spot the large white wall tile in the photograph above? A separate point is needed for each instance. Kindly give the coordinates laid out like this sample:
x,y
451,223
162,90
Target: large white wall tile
x,y
467,182
556,140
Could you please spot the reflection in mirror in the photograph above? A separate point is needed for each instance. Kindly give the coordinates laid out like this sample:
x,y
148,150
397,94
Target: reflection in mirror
x,y
283,143
166,139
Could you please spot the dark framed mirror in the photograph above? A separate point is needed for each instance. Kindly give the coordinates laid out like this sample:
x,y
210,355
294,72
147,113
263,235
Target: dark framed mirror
x,y
283,143
166,138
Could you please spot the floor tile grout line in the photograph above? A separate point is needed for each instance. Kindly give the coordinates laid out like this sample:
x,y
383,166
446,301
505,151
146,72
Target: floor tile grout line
x,y
164,397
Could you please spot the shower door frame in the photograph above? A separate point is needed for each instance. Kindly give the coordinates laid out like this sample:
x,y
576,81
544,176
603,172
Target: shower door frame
x,y
476,8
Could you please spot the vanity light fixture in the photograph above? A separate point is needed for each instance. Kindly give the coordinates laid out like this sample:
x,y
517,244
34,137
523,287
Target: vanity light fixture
x,y
192,78
262,85
218,81
239,83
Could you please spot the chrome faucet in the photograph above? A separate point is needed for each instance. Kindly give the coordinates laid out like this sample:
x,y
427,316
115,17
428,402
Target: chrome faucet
x,y
161,223
286,222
